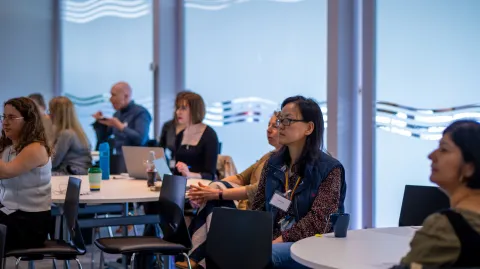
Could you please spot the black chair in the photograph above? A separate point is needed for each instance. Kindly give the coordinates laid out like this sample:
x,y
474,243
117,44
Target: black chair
x,y
3,236
419,202
60,249
176,239
244,240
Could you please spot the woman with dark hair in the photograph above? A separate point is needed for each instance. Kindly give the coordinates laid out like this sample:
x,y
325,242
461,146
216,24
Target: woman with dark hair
x,y
452,237
25,174
242,186
197,145
309,180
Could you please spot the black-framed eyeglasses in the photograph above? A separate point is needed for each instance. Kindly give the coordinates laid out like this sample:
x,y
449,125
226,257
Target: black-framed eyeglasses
x,y
9,118
287,121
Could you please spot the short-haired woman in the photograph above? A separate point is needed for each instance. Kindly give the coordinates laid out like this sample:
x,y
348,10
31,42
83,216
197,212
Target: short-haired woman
x,y
197,145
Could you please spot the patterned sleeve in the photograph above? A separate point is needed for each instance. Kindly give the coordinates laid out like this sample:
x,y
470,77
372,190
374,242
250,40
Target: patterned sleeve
x,y
325,203
259,200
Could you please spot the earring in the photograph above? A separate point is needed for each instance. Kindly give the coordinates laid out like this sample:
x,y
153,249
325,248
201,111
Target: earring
x,y
461,179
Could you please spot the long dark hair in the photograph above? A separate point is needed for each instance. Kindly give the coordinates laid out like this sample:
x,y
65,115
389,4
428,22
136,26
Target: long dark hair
x,y
466,135
33,129
311,112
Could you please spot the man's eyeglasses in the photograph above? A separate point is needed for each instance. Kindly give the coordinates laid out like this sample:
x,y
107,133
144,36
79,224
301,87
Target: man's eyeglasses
x,y
9,118
287,121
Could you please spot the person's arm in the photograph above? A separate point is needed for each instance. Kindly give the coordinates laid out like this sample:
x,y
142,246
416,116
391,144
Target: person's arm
x,y
62,146
434,244
326,203
259,200
138,134
31,156
202,192
244,177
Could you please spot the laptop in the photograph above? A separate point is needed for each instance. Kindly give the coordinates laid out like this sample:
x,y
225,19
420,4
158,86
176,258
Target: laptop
x,y
136,156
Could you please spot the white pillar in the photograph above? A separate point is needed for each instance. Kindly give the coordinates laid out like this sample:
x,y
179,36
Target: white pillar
x,y
343,98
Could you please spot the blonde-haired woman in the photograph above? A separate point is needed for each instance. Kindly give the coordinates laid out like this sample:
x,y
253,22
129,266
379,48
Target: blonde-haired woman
x,y
71,146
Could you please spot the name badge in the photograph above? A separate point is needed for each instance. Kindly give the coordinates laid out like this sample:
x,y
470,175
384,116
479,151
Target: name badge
x,y
279,201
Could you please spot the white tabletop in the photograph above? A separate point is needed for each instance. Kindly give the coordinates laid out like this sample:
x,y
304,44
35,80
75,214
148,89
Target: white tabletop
x,y
115,190
361,249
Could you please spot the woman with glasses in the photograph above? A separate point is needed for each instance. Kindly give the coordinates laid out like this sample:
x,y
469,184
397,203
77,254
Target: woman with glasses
x,y
246,186
300,175
25,173
72,148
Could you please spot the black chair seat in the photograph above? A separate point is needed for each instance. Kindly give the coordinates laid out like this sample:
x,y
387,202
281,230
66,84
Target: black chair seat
x,y
50,248
137,244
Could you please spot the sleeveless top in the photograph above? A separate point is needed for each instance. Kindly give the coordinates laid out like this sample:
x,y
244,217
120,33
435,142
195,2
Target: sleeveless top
x,y
30,191
468,237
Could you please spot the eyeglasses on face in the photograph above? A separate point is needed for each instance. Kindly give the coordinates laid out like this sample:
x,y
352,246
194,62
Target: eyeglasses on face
x,y
287,121
9,118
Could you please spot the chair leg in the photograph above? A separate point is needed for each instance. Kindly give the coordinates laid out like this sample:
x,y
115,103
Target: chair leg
x,y
159,261
132,261
17,262
79,264
188,260
102,261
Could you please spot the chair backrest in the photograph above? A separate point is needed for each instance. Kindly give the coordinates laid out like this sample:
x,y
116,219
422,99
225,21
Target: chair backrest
x,y
249,235
3,235
170,208
419,202
225,167
70,209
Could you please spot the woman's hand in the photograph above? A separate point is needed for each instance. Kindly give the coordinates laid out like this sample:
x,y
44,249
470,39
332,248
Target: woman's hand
x,y
183,169
202,192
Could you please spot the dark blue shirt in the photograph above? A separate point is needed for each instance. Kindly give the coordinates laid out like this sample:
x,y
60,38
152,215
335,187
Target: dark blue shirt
x,y
135,133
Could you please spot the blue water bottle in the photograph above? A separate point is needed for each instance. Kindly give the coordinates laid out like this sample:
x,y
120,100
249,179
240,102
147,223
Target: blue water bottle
x,y
104,152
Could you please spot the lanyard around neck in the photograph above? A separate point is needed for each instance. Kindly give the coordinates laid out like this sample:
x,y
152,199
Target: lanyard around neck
x,y
287,189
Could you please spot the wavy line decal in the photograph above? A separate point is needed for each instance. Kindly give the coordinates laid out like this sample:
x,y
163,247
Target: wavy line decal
x,y
86,11
427,124
215,5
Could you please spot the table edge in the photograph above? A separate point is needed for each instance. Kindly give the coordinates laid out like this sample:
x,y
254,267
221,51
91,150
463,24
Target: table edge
x,y
108,201
305,262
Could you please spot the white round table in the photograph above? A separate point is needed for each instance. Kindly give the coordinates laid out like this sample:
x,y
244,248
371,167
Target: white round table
x,y
117,189
361,249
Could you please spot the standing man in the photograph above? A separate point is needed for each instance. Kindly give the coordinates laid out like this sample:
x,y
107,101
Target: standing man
x,y
129,125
